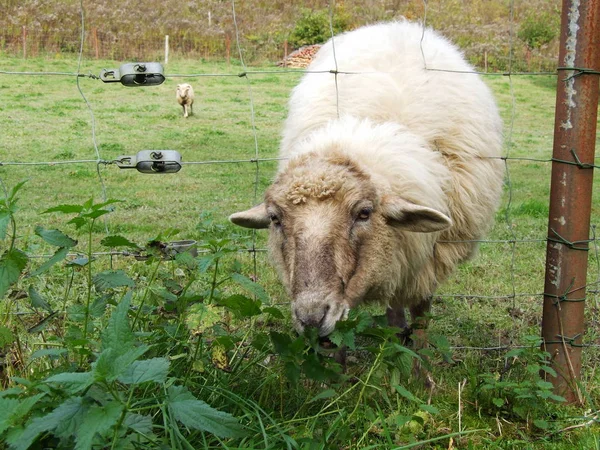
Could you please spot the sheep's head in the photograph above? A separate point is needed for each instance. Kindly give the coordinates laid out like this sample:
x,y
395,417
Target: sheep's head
x,y
183,90
332,234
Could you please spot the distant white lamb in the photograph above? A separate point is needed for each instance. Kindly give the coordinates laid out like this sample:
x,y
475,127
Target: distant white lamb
x,y
185,97
393,175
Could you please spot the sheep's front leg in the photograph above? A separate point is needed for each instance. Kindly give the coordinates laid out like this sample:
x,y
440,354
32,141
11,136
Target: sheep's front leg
x,y
185,111
397,319
419,313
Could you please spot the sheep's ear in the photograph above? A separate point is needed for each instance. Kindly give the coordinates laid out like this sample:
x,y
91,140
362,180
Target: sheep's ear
x,y
256,217
411,217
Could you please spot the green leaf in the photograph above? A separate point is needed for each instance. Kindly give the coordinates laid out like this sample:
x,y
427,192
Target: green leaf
x,y
202,317
98,307
65,209
315,370
12,411
110,201
6,336
402,420
76,312
55,237
544,384
341,338
88,203
4,221
533,368
205,262
11,392
155,369
139,423
37,301
241,306
281,342
429,408
118,334
98,420
198,415
514,353
113,362
53,352
548,370
96,213
292,371
542,424
112,279
125,360
557,398
406,394
58,256
80,261
186,259
499,402
12,263
72,382
260,341
79,222
327,393
8,407
16,188
274,312
251,287
118,241
66,416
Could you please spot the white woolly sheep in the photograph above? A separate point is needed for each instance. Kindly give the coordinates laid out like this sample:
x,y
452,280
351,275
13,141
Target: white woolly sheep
x,y
391,175
185,97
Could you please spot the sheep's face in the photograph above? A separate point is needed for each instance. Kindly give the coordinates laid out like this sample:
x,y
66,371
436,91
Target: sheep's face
x,y
331,235
183,90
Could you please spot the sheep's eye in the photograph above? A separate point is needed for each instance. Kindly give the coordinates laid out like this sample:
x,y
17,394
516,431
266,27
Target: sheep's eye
x,y
364,214
275,220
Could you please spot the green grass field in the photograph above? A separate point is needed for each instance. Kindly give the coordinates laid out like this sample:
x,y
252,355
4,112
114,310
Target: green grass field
x,y
199,316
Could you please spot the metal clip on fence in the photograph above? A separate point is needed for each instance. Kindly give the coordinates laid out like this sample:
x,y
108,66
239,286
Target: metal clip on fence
x,y
152,161
135,74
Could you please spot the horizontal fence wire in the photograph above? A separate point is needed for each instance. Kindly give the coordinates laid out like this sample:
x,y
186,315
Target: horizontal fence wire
x,y
250,72
258,160
247,74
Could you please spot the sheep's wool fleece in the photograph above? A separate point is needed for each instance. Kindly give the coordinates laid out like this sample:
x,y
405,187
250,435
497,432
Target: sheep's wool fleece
x,y
404,108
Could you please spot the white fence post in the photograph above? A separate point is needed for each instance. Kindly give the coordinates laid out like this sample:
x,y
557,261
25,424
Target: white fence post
x,y
166,49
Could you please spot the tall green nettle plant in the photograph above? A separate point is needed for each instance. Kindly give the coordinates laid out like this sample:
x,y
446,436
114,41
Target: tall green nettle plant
x,y
87,215
117,402
13,261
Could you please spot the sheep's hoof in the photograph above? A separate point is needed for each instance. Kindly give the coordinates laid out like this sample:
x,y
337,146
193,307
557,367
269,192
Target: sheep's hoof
x,y
405,336
421,373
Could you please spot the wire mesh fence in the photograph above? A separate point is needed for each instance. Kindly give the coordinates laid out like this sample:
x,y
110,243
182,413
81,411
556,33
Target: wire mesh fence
x,y
236,114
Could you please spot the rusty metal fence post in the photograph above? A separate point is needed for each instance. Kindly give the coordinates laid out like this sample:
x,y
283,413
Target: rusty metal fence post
x,y
571,193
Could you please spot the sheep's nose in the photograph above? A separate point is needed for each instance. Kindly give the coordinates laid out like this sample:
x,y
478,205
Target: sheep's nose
x,y
313,316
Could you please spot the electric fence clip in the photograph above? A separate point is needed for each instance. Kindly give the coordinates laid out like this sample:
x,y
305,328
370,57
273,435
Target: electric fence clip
x,y
135,74
152,161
